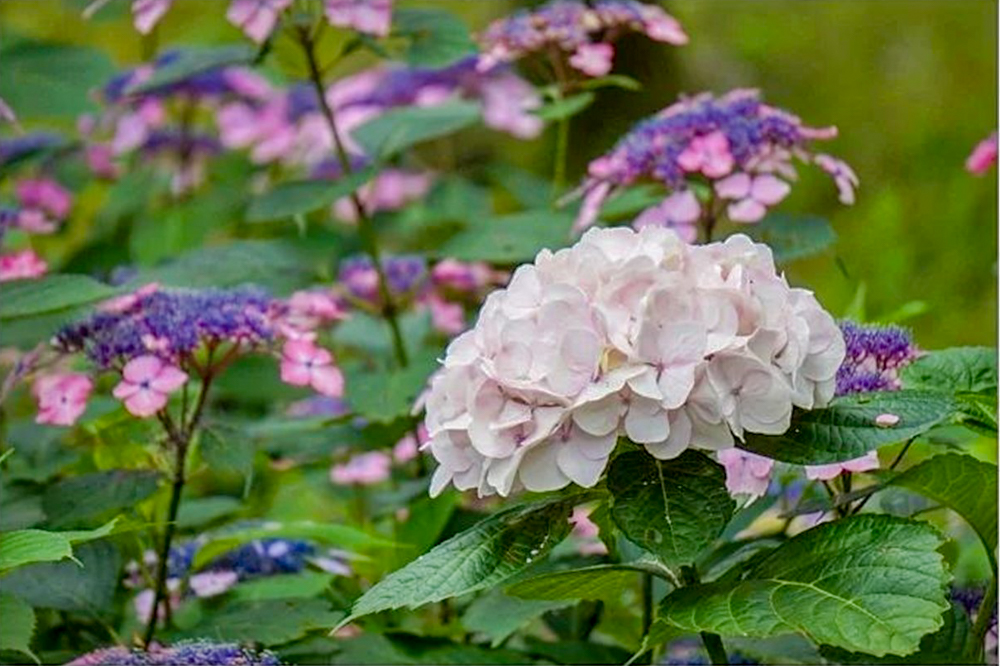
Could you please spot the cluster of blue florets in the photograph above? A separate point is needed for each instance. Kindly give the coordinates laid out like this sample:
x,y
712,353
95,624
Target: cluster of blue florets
x,y
193,653
875,355
404,274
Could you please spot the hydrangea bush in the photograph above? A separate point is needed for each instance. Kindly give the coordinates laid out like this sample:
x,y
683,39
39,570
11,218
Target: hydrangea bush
x,y
296,369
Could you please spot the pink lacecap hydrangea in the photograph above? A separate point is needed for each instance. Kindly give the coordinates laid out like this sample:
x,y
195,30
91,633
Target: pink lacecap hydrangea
x,y
983,156
746,473
305,364
62,398
22,265
363,469
865,463
147,382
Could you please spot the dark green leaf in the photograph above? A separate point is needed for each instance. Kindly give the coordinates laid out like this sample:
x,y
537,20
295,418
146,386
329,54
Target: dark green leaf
x,y
50,294
485,556
435,37
497,615
408,649
287,586
191,61
199,511
567,107
959,369
47,79
630,202
601,582
612,81
428,517
226,452
303,196
29,546
794,237
78,499
673,508
382,396
67,585
508,239
584,653
17,626
846,429
270,622
869,583
396,130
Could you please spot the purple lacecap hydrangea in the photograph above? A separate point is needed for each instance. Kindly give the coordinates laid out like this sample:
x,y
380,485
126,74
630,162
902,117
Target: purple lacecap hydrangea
x,y
14,148
213,83
402,86
174,141
193,653
874,356
170,324
404,274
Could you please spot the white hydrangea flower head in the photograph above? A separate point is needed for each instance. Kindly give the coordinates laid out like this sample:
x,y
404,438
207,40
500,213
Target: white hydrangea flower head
x,y
631,334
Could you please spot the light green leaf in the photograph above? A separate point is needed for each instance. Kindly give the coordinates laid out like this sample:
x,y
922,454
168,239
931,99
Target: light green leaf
x,y
868,583
484,556
47,79
83,536
29,546
566,107
846,429
612,81
497,615
398,129
435,38
18,625
87,585
191,61
79,498
962,483
289,586
673,508
602,582
303,196
508,239
794,237
50,294
958,369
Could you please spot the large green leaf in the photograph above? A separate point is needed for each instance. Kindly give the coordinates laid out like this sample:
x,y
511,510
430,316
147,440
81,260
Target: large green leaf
x,y
673,508
79,498
868,583
508,239
383,396
68,585
396,130
17,626
489,553
794,237
289,586
48,79
435,38
497,616
407,649
567,107
303,196
30,546
191,61
600,582
959,369
962,483
268,622
847,429
50,294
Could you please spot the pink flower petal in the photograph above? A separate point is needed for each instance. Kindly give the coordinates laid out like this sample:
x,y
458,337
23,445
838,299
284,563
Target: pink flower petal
x,y
145,403
142,369
747,211
328,380
169,379
769,190
736,186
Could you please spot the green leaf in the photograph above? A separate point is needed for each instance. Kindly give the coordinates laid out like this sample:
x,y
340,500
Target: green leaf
x,y
602,582
69,586
268,622
566,107
394,131
962,483
435,38
383,396
508,239
869,583
199,511
489,553
630,202
228,455
18,625
951,644
191,61
29,546
408,649
612,81
83,536
50,294
846,429
428,518
303,196
79,498
289,586
959,369
794,237
497,615
673,508
48,79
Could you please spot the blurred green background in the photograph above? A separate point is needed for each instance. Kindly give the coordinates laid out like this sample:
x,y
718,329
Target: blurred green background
x,y
911,84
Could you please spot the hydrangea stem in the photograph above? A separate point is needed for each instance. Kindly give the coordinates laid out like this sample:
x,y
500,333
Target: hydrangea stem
x,y
713,642
984,616
366,230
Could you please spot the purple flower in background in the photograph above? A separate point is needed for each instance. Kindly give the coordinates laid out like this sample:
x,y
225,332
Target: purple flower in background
x,y
735,143
875,355
970,598
195,653
405,274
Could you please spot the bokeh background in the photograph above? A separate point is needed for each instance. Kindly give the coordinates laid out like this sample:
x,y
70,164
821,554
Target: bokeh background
x,y
911,84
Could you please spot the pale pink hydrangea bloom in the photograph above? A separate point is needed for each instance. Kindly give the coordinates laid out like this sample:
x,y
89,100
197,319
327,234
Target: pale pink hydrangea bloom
x,y
635,334
305,364
62,398
983,156
147,382
256,18
22,265
746,473
370,16
363,469
865,463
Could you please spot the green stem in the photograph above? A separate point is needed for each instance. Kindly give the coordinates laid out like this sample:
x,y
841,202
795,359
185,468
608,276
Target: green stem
x,y
647,602
895,463
366,230
713,642
562,150
984,615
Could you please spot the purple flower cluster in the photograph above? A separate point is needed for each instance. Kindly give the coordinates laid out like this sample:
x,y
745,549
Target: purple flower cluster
x,y
736,142
14,148
193,653
875,355
169,324
582,31
405,275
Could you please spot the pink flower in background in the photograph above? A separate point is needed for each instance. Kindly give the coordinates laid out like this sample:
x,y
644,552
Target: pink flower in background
x,y
593,59
212,583
751,195
21,265
6,113
305,364
147,381
865,463
100,161
390,190
508,102
62,398
461,276
446,316
363,469
45,195
746,473
256,18
843,175
708,154
680,211
587,532
120,304
983,156
407,448
369,16
147,13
